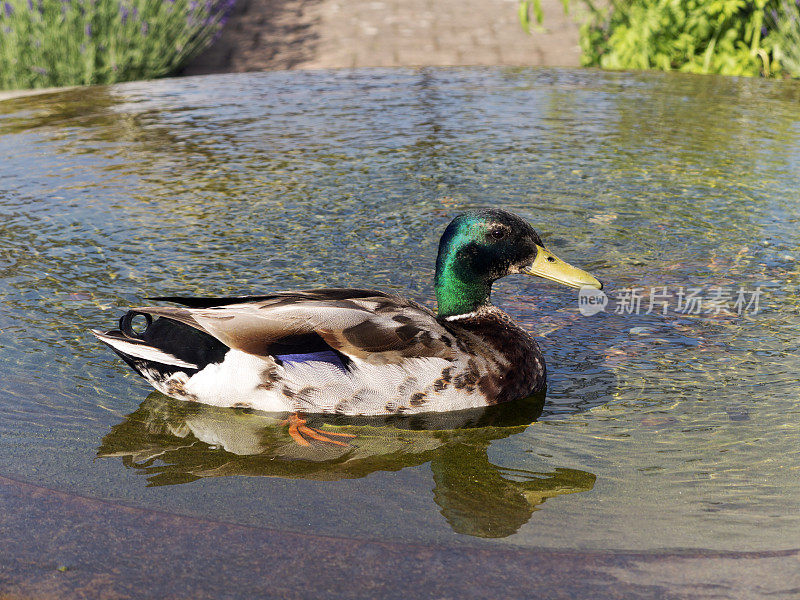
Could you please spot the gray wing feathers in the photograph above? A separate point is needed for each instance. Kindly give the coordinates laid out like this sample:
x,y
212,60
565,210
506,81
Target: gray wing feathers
x,y
380,329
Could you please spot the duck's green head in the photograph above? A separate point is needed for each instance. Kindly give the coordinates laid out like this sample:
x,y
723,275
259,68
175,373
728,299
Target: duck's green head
x,y
479,247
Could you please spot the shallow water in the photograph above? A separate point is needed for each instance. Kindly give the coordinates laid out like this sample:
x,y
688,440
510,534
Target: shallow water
x,y
659,430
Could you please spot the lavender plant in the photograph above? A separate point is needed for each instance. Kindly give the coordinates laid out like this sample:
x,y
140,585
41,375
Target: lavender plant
x,y
47,43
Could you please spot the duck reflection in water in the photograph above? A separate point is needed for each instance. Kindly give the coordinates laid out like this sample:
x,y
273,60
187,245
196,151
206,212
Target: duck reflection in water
x,y
177,442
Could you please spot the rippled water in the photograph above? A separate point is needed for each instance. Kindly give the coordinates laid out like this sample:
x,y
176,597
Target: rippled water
x,y
659,431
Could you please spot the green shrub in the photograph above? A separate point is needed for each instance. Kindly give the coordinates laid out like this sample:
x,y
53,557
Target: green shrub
x,y
47,43
731,37
783,22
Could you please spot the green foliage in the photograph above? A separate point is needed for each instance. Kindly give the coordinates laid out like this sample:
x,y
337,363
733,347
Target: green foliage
x,y
47,43
783,22
697,36
528,8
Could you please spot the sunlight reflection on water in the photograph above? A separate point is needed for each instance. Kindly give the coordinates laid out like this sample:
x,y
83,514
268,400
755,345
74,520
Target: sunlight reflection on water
x,y
673,430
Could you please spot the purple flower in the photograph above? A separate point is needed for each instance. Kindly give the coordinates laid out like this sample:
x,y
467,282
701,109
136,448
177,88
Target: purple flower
x,y
224,7
8,8
123,13
88,30
30,5
39,70
144,27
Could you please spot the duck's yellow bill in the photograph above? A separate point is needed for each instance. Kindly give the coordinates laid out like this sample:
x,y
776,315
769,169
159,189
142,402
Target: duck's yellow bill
x,y
549,266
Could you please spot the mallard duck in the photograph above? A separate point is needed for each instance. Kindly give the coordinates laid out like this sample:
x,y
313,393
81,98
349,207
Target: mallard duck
x,y
356,351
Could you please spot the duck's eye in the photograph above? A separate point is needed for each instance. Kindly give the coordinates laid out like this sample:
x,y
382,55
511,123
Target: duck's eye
x,y
497,233
551,259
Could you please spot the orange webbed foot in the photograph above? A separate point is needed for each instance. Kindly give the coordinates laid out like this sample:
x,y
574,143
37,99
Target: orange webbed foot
x,y
298,429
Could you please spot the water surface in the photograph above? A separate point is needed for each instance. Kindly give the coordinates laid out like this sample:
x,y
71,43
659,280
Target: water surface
x,y
659,430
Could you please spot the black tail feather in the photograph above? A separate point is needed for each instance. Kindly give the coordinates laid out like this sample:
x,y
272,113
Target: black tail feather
x,y
175,338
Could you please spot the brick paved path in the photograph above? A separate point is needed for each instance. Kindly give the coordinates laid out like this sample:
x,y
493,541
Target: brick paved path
x,y
318,34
